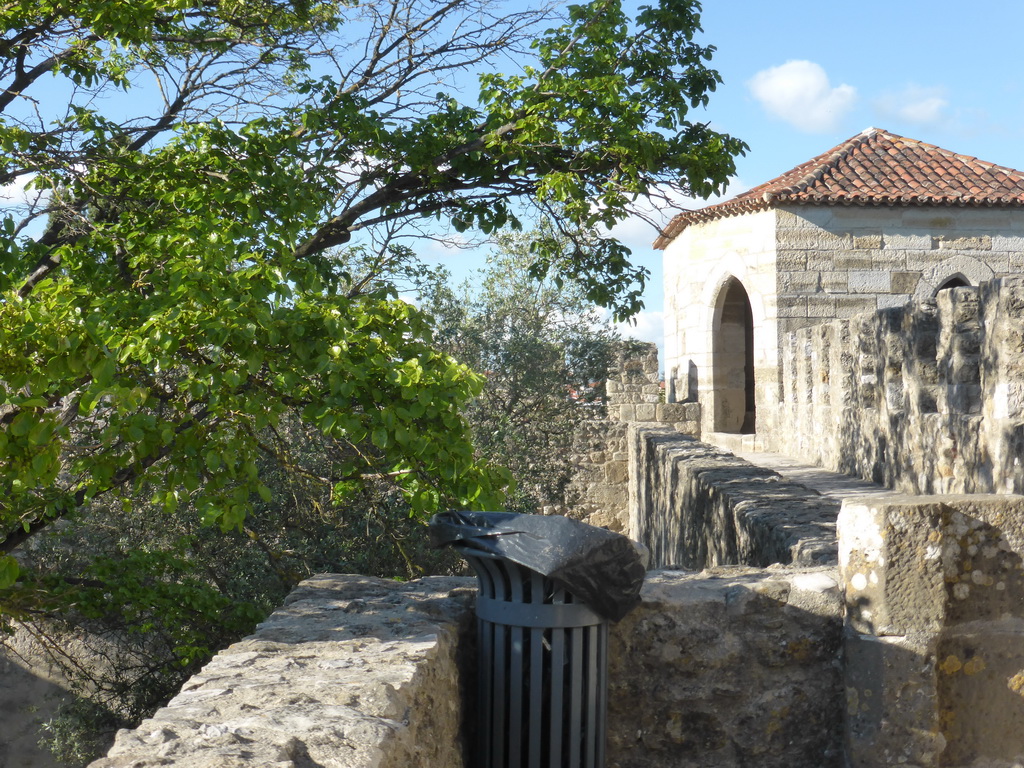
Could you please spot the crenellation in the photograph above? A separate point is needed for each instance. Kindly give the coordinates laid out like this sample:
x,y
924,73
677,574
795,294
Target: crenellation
x,y
934,594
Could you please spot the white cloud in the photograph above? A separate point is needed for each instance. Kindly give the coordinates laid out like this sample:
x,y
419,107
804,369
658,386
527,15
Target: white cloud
x,y
800,93
646,326
14,193
915,104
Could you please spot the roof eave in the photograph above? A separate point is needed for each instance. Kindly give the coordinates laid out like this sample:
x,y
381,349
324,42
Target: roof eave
x,y
775,200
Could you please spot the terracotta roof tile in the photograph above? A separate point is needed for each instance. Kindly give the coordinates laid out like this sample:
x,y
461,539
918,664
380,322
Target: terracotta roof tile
x,y
873,168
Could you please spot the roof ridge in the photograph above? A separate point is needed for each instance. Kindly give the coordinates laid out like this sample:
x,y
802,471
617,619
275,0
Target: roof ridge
x,y
834,155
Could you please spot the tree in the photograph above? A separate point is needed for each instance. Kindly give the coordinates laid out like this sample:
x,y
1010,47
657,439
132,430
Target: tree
x,y
544,352
185,291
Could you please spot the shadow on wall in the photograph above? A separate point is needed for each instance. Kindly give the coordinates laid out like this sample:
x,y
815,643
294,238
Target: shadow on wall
x,y
27,700
730,667
927,397
934,652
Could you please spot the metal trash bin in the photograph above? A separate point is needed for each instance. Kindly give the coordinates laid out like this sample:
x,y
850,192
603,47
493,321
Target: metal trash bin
x,y
542,646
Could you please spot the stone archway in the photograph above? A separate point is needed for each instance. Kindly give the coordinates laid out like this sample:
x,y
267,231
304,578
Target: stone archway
x,y
733,360
970,270
955,281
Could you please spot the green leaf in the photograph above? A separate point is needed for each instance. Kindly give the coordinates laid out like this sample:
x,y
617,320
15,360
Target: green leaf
x,y
8,571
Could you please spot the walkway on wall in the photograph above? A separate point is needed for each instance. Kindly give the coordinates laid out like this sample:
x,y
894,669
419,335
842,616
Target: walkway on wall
x,y
826,483
831,484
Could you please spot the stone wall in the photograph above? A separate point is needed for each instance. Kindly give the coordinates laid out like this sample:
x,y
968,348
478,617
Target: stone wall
x,y
934,647
927,398
727,668
352,672
693,506
805,265
732,667
599,493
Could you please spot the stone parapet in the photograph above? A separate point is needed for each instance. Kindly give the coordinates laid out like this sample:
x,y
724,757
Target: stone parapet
x,y
352,672
693,506
730,667
923,398
934,644
599,489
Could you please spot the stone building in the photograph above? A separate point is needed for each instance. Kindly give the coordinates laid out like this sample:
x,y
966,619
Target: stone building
x,y
875,222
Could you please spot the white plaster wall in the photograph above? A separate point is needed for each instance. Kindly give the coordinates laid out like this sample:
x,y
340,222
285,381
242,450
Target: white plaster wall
x,y
697,265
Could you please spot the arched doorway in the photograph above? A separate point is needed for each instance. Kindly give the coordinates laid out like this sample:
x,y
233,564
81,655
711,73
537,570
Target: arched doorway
x,y
733,360
956,281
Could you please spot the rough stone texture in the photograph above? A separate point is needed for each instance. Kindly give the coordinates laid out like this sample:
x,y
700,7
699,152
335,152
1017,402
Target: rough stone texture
x,y
730,667
934,594
928,398
693,506
599,491
352,672
802,265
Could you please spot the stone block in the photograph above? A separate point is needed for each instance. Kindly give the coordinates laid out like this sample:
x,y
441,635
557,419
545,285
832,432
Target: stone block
x,y
980,694
869,281
952,243
891,565
924,259
835,282
905,241
1015,262
1011,244
847,260
905,282
912,565
809,240
616,472
791,261
792,306
891,701
889,261
646,411
800,282
867,242
848,306
672,412
893,300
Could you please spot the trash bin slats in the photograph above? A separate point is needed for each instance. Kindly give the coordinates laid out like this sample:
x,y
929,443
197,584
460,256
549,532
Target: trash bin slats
x,y
514,614
542,649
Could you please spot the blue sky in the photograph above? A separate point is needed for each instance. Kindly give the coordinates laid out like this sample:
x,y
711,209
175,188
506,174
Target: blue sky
x,y
801,76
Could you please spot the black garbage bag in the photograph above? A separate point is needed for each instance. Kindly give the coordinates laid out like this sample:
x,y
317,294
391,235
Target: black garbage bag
x,y
602,569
